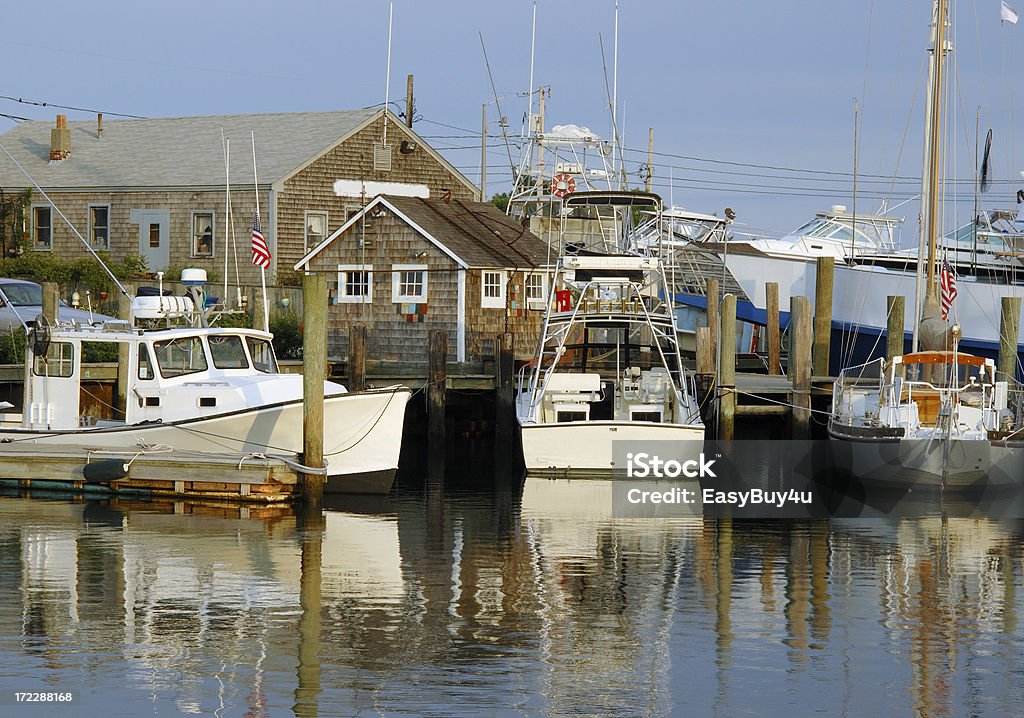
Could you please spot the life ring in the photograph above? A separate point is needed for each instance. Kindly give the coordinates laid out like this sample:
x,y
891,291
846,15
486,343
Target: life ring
x,y
562,185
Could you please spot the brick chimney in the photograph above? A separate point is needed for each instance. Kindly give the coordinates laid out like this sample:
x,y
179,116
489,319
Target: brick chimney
x,y
60,140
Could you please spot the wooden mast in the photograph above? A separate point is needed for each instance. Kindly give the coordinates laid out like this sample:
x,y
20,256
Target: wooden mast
x,y
934,148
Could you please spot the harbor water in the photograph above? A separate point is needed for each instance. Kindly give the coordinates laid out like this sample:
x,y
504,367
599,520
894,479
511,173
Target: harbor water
x,y
514,602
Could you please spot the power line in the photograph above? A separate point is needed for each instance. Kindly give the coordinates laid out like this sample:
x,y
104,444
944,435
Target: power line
x,y
43,103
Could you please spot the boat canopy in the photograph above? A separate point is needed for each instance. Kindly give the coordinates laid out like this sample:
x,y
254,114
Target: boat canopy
x,y
618,199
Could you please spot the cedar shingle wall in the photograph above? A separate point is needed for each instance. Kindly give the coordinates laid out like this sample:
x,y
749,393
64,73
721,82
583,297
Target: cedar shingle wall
x,y
313,187
390,336
124,235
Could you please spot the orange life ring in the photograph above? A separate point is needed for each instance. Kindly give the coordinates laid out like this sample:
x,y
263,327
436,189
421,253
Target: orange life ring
x,y
563,184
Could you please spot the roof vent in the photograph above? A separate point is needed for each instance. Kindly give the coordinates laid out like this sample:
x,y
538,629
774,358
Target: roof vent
x,y
60,140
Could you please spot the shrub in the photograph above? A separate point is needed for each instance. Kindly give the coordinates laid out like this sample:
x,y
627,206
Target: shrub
x,y
287,336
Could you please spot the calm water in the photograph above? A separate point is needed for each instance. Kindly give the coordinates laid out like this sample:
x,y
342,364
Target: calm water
x,y
483,603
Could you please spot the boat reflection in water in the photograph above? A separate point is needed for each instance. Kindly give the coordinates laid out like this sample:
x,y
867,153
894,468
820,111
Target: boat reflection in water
x,y
496,602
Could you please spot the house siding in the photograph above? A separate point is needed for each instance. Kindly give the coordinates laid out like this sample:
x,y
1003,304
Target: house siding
x,y
312,188
391,337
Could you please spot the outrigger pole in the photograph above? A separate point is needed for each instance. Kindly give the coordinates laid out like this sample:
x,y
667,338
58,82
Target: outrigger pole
x,y
68,223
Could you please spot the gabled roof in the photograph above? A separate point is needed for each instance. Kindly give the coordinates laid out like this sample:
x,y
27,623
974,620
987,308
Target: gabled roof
x,y
473,234
176,151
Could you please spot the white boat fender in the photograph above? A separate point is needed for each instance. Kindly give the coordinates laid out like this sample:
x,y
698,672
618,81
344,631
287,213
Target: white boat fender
x,y
105,470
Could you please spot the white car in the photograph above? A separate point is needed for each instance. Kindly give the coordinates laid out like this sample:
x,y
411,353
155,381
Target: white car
x,y
24,299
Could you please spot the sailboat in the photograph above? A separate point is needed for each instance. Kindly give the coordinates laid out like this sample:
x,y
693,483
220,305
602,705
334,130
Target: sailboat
x,y
939,416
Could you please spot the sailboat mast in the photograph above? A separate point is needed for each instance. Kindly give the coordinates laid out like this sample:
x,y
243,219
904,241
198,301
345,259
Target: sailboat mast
x,y
935,143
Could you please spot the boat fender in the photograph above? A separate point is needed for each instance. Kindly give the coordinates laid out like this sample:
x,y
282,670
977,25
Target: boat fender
x,y
105,470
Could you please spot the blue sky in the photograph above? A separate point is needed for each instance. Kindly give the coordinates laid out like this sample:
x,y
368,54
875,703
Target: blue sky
x,y
734,91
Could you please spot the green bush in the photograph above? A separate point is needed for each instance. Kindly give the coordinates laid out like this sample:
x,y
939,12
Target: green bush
x,y
84,271
12,347
287,336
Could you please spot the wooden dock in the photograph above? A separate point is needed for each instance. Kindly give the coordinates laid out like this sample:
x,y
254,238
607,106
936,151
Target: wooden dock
x,y
165,474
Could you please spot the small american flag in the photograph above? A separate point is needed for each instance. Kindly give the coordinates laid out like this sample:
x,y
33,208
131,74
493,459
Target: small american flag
x,y
260,250
947,281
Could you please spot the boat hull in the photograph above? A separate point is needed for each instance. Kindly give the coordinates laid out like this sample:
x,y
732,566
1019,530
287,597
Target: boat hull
x,y
903,463
362,436
581,449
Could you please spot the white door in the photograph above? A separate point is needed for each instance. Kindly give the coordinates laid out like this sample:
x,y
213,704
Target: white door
x,y
154,240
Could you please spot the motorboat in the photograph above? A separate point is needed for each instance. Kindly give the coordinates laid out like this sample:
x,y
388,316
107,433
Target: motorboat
x,y
195,390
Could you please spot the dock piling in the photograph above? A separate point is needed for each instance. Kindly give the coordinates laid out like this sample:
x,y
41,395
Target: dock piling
x,y
314,371
800,365
774,347
822,315
895,307
51,300
437,379
727,369
1009,327
124,311
714,322
357,357
504,405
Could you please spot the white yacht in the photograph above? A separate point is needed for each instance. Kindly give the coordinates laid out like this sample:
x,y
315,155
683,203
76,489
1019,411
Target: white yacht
x,y
196,390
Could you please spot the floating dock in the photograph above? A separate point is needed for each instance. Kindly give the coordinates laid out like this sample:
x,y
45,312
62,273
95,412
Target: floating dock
x,y
176,475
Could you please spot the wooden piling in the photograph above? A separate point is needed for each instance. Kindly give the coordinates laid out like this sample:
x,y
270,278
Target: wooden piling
x,y
822,315
705,378
314,371
727,369
714,322
895,310
357,357
774,347
504,406
436,390
51,300
800,365
1009,328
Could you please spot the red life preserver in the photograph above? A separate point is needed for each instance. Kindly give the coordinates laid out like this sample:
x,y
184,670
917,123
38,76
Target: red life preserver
x,y
562,185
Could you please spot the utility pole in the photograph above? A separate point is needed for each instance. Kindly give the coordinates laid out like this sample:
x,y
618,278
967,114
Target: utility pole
x,y
408,101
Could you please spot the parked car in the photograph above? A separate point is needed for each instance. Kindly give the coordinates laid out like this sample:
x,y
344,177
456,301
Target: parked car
x,y
21,298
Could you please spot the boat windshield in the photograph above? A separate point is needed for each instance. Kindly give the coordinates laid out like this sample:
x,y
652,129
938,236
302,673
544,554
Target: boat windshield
x,y
177,357
262,353
228,352
23,295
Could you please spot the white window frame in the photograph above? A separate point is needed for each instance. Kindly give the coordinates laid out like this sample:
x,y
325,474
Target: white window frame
x,y
343,296
193,250
305,228
35,229
536,302
92,226
396,282
490,301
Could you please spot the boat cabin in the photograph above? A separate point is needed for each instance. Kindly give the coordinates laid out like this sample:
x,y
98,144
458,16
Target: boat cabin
x,y
174,374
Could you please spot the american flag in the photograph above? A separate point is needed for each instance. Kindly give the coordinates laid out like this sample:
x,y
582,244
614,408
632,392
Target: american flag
x,y
260,250
947,280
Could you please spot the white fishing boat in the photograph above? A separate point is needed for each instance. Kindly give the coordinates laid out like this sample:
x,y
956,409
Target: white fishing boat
x,y
195,390
608,370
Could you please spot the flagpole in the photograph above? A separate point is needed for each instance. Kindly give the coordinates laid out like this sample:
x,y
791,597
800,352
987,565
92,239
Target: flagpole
x,y
263,271
227,210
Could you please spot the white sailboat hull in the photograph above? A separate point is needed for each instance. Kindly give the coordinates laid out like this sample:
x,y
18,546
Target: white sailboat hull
x,y
586,448
362,436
